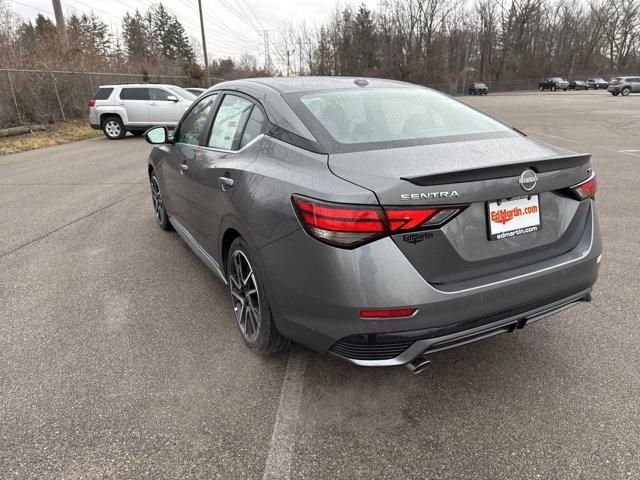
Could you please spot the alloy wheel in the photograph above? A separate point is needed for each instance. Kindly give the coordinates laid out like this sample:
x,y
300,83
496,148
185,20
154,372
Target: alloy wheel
x,y
112,128
245,296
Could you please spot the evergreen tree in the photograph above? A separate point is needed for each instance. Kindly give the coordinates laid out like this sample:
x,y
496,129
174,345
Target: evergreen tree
x,y
364,39
135,35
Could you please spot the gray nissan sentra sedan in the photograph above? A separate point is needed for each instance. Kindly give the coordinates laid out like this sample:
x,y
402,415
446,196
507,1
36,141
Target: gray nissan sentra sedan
x,y
374,219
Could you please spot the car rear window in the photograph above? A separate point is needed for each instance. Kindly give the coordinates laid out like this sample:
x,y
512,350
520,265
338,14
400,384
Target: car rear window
x,y
373,115
103,93
140,93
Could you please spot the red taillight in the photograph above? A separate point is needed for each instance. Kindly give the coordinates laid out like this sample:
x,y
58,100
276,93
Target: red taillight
x,y
586,189
91,102
342,225
388,313
351,225
403,219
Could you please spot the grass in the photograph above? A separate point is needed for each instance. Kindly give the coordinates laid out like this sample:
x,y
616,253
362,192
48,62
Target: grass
x,y
63,132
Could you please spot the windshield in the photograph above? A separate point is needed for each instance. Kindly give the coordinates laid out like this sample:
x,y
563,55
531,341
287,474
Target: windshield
x,y
183,93
357,116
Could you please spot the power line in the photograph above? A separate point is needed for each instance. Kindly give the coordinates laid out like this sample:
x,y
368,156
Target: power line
x,y
243,18
253,13
39,10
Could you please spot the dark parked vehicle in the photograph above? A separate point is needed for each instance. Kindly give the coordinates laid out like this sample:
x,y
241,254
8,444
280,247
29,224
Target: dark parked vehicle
x,y
374,219
597,83
578,85
478,89
553,84
624,86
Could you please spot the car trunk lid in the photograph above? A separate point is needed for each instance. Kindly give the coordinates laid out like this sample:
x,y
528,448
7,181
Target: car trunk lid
x,y
475,174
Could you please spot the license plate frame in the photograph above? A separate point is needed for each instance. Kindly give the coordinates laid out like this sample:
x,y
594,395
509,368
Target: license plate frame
x,y
512,217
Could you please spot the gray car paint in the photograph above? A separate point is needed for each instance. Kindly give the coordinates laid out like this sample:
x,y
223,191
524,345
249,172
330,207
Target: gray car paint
x,y
315,290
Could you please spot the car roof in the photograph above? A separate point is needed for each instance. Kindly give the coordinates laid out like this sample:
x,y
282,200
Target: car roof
x,y
113,85
313,83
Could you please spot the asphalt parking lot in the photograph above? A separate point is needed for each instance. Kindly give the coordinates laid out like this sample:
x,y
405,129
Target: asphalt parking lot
x,y
119,357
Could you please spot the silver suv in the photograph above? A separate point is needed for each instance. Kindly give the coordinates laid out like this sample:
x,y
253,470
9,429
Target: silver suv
x,y
118,109
624,85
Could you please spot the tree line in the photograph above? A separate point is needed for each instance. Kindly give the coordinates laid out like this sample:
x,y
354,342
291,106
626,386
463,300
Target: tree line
x,y
435,41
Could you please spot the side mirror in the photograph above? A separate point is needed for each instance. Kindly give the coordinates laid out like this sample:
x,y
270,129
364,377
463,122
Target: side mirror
x,y
172,98
157,135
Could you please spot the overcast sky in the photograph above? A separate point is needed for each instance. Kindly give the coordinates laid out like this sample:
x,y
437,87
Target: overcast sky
x,y
227,34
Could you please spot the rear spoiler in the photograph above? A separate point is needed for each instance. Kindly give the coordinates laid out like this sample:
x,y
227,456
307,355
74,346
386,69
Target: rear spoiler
x,y
500,171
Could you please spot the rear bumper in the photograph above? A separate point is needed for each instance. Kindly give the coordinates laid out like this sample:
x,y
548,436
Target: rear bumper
x,y
95,126
614,89
400,348
317,293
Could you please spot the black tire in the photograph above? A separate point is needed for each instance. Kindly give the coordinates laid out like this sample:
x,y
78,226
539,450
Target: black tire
x,y
625,91
260,336
553,88
159,209
615,94
541,88
113,128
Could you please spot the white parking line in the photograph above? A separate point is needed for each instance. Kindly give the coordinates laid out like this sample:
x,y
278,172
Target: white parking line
x,y
634,153
283,437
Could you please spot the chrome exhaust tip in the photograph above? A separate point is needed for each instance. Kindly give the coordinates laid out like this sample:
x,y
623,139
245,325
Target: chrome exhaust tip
x,y
418,364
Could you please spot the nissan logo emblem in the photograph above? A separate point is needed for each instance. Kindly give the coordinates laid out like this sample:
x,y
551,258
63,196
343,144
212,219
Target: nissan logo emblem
x,y
528,180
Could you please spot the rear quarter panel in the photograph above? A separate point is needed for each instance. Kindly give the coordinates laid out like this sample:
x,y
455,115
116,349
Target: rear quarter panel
x,y
261,202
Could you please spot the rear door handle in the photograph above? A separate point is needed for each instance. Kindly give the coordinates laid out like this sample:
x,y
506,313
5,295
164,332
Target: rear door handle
x,y
225,182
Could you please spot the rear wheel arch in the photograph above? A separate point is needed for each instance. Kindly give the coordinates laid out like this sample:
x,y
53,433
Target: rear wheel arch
x,y
104,116
228,237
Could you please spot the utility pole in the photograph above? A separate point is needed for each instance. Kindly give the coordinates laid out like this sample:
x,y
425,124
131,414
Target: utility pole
x,y
57,10
204,47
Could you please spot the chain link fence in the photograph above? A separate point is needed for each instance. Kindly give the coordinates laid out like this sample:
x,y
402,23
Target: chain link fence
x,y
44,96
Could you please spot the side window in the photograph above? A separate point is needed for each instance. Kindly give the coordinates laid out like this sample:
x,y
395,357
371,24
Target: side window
x,y
103,93
193,124
158,94
134,94
253,128
229,122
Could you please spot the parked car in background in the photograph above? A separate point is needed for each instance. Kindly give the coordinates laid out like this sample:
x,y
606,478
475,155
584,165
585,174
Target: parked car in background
x,y
118,109
597,83
578,85
312,201
624,85
553,83
196,90
478,89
